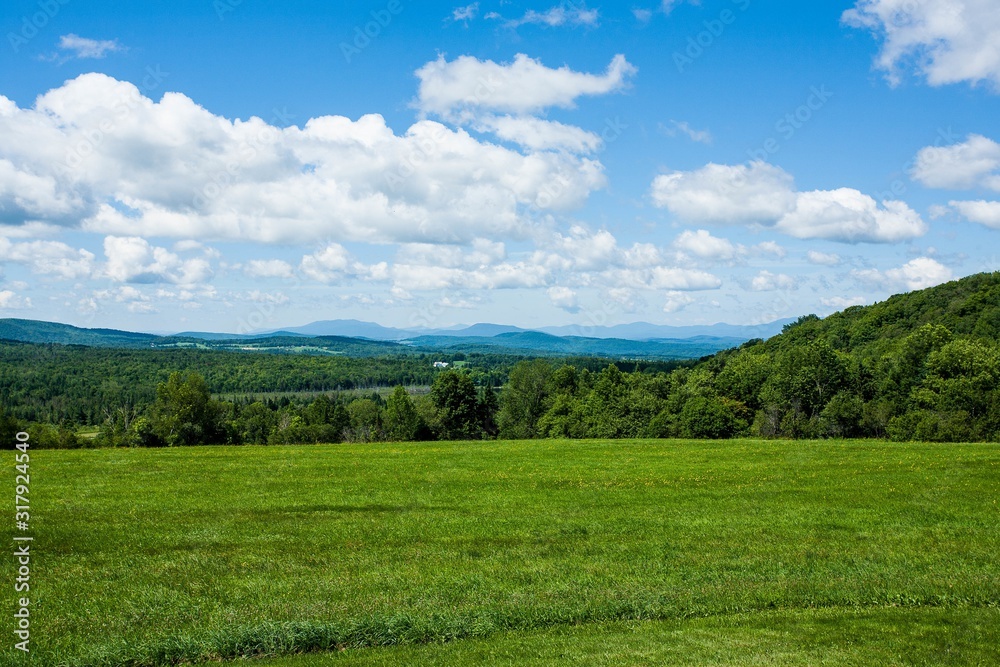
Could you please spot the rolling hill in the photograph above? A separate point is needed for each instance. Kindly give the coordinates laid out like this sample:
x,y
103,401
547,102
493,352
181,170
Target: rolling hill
x,y
33,331
633,331
543,344
918,366
487,338
347,328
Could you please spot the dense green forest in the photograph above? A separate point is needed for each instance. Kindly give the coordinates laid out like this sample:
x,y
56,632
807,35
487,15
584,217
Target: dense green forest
x,y
74,384
56,389
919,366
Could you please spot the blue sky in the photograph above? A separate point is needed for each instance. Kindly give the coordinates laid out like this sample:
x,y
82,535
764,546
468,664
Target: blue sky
x,y
230,165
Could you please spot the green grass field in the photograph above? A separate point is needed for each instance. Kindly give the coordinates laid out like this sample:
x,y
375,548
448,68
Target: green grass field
x,y
544,552
831,636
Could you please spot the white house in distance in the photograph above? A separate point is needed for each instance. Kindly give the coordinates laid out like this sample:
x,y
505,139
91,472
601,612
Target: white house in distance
x,y
440,364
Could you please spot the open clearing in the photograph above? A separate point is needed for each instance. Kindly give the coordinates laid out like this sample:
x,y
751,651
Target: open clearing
x,y
527,550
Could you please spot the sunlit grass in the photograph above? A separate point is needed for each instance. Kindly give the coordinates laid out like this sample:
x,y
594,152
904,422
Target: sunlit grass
x,y
835,637
159,556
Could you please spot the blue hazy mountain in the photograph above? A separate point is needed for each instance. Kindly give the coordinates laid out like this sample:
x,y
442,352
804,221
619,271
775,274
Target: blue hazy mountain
x,y
477,330
647,331
634,331
348,328
354,337
540,343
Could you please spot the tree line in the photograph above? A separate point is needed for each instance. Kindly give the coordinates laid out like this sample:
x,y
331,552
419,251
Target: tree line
x,y
935,387
184,413
919,366
53,390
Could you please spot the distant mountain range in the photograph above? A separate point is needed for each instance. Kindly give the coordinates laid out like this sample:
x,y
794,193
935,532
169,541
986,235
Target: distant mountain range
x,y
647,331
355,338
635,331
350,328
537,342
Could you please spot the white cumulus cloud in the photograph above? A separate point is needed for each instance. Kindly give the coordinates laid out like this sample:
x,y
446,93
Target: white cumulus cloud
x,y
97,154
589,251
765,281
703,245
134,299
521,87
29,194
506,275
328,264
919,273
769,248
946,41
539,135
760,193
678,279
268,268
849,216
841,302
726,194
11,301
985,213
972,163
676,301
49,258
823,258
563,297
133,259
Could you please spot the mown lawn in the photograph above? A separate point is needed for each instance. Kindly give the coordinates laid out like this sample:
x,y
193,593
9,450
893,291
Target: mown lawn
x,y
832,636
161,556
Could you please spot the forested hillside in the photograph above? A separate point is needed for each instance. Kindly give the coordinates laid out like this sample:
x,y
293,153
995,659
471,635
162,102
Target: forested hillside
x,y
53,332
922,366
